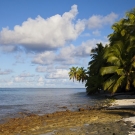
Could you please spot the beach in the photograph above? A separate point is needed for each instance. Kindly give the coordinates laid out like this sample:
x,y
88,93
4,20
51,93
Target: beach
x,y
83,115
125,102
89,122
82,122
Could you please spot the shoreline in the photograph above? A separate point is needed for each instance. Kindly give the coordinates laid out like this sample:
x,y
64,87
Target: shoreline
x,y
103,120
67,122
125,102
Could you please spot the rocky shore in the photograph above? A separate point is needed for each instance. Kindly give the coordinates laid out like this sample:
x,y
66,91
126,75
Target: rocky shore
x,y
83,122
107,118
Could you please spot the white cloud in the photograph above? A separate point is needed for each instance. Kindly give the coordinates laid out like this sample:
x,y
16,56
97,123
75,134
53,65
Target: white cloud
x,y
85,35
5,72
58,74
43,34
19,79
55,81
41,69
48,68
98,21
6,82
9,83
62,67
96,33
62,83
85,48
26,75
44,58
64,56
50,41
8,48
40,81
68,55
20,58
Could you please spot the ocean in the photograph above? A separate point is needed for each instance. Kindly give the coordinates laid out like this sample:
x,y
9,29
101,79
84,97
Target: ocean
x,y
14,101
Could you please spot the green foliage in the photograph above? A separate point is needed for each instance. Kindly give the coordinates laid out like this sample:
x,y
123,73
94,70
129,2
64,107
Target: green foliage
x,y
108,70
112,68
93,84
78,74
73,73
121,55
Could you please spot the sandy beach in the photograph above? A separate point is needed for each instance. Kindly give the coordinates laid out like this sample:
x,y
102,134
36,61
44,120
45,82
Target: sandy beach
x,y
115,120
125,102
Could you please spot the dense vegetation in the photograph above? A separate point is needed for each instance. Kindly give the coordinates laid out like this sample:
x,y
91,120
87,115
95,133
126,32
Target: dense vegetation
x,y
112,67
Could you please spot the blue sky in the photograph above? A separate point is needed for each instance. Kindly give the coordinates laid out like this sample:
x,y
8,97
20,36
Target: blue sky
x,y
41,39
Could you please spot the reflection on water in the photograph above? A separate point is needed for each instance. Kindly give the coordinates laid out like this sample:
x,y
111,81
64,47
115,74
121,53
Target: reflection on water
x,y
41,101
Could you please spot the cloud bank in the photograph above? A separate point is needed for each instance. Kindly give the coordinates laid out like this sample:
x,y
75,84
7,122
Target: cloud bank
x,y
53,47
44,34
68,55
98,21
6,72
41,34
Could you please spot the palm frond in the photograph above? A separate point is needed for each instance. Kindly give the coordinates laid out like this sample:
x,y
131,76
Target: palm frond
x,y
120,72
108,70
109,82
133,64
118,83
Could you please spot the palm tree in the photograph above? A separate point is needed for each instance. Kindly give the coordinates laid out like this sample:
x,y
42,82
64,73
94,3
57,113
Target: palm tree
x,y
93,84
73,73
97,59
78,74
120,56
112,67
94,81
121,66
81,74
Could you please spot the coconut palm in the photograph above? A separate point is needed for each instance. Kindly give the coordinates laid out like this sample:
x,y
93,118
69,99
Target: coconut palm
x,y
94,81
112,66
81,74
121,66
97,59
73,73
120,56
78,74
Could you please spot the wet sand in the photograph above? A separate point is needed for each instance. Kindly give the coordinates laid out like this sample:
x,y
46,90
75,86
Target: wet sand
x,y
83,122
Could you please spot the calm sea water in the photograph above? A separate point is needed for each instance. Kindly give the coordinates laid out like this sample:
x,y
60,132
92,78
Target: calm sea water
x,y
42,100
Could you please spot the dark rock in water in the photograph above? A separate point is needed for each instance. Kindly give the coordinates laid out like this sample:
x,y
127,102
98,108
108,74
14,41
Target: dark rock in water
x,y
133,126
81,109
67,110
64,107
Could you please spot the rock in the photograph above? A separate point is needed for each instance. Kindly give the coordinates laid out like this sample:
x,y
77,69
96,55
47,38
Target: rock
x,y
48,115
67,110
64,107
81,109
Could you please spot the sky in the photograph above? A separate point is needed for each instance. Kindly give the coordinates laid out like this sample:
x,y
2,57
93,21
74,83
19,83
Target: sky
x,y
40,40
